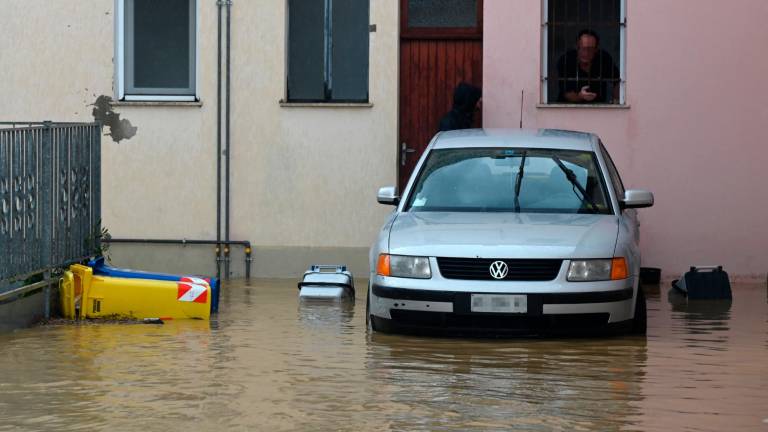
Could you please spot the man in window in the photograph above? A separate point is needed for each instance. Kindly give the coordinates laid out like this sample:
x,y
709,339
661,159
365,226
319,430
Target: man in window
x,y
588,74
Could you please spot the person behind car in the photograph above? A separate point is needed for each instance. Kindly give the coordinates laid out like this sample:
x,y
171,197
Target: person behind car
x,y
465,101
587,74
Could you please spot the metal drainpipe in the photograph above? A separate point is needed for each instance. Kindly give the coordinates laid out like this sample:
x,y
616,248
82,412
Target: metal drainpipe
x,y
219,3
228,143
244,243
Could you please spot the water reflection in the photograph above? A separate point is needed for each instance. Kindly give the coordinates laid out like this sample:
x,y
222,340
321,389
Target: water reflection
x,y
713,310
77,371
652,291
330,315
708,320
463,384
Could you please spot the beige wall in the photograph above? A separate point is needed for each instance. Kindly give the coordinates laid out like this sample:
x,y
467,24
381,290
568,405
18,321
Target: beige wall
x,y
303,179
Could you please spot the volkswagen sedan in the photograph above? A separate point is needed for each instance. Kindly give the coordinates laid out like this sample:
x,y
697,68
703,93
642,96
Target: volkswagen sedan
x,y
509,232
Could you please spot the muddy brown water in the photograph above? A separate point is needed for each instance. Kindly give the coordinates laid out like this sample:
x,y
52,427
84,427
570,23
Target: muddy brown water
x,y
269,363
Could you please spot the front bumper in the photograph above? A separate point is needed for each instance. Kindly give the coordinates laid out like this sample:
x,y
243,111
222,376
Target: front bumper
x,y
555,307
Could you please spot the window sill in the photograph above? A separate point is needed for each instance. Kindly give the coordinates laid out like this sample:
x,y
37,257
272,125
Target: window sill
x,y
326,104
157,103
583,106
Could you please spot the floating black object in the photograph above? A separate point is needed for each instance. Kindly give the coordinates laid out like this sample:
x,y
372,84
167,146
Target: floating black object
x,y
705,285
650,275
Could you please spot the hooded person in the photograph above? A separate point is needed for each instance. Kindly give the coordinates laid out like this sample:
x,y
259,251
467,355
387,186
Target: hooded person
x,y
465,99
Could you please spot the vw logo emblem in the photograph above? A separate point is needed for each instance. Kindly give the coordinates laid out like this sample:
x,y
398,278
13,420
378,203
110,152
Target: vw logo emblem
x,y
499,269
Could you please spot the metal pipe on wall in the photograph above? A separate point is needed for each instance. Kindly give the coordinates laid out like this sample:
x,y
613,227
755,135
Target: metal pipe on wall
x,y
227,138
219,3
244,243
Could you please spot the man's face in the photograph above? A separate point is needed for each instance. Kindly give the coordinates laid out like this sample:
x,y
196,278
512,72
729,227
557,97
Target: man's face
x,y
587,48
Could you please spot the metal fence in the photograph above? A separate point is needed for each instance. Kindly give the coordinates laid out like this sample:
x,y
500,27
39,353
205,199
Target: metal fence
x,y
50,195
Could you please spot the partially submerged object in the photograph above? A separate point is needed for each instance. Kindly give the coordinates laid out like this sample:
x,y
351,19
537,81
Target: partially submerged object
x,y
697,284
86,295
327,282
650,275
102,269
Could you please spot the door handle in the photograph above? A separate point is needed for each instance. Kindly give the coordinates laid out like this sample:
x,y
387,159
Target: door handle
x,y
404,150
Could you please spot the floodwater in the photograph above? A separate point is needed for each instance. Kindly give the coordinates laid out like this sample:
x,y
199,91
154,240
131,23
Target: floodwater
x,y
268,363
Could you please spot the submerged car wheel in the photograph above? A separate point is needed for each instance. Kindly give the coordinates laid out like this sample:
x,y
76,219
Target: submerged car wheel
x,y
640,321
368,320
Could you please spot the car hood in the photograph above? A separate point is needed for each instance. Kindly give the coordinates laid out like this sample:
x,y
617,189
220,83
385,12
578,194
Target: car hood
x,y
503,235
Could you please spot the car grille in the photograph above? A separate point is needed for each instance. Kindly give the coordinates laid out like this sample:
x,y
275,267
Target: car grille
x,y
519,269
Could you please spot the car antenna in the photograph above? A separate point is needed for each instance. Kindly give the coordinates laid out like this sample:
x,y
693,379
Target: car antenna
x,y
522,98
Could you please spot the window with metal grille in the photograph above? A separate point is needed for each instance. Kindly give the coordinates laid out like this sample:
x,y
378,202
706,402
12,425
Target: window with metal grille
x,y
328,50
157,49
583,58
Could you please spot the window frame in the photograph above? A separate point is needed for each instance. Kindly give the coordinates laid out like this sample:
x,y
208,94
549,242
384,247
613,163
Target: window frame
x,y
327,63
124,91
616,182
622,64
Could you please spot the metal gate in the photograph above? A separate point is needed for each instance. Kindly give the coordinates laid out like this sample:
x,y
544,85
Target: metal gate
x,y
50,189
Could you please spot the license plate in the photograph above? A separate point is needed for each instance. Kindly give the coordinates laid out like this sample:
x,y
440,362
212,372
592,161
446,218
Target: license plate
x,y
499,303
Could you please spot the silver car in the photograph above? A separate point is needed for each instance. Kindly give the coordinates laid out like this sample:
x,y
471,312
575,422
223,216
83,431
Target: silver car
x,y
509,232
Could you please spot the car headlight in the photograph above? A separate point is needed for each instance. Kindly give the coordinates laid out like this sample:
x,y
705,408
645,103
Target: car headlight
x,y
404,266
597,270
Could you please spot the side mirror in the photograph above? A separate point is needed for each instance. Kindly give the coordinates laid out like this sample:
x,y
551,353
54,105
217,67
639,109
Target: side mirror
x,y
636,198
388,195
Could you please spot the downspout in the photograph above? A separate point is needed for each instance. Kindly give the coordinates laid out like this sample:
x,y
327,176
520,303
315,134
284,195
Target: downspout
x,y
228,143
219,3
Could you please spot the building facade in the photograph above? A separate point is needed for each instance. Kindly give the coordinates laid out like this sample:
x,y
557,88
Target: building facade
x,y
303,176
688,130
330,99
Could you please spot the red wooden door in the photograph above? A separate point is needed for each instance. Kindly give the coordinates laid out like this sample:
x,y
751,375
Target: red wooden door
x,y
433,60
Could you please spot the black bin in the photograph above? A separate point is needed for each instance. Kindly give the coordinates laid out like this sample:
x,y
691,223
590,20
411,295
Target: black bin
x,y
650,275
705,283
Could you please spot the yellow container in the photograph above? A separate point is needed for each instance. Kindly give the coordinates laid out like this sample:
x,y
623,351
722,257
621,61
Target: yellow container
x,y
69,298
84,295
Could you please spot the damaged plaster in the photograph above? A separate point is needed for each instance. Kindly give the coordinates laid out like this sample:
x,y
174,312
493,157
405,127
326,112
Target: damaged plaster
x,y
118,129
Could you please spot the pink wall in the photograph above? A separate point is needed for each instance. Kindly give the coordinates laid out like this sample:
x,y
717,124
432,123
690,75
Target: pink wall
x,y
695,133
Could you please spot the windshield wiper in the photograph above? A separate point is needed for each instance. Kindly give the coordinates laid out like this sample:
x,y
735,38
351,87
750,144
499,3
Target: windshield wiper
x,y
519,181
572,178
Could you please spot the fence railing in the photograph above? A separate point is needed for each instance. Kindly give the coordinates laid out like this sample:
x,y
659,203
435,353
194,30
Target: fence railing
x,y
50,196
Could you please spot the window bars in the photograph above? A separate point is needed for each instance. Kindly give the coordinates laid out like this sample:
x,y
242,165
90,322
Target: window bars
x,y
562,70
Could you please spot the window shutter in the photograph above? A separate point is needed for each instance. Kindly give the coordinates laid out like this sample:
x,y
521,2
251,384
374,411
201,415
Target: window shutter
x,y
349,56
306,22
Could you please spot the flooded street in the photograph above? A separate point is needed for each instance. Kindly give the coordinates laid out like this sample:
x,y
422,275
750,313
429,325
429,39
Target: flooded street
x,y
267,363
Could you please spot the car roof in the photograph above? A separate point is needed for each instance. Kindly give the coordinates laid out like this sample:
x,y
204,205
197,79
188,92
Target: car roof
x,y
518,138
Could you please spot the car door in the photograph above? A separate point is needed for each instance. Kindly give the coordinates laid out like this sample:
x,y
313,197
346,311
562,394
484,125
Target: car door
x,y
629,225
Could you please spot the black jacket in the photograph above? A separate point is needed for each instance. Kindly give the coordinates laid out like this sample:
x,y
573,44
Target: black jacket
x,y
465,98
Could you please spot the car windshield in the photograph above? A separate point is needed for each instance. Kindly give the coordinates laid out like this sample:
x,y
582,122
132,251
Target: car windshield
x,y
510,180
